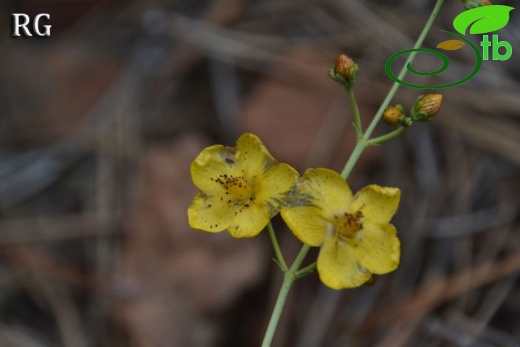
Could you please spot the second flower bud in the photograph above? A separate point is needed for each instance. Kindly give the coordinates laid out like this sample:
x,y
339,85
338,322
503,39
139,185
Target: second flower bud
x,y
394,115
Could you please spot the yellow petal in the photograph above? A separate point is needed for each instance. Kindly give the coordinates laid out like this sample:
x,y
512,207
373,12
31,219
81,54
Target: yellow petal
x,y
212,163
274,184
210,213
252,155
338,267
378,248
378,204
325,189
306,223
250,220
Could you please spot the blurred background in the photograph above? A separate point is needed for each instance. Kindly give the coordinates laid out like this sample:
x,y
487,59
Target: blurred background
x,y
100,121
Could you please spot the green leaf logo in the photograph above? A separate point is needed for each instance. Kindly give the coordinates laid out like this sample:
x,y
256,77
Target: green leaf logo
x,y
485,19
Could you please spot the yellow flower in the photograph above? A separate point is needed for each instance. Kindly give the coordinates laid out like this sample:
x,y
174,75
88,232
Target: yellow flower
x,y
354,233
242,188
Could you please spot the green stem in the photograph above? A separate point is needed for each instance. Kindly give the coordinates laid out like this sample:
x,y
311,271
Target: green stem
x,y
379,140
352,160
299,258
288,280
355,109
364,142
279,256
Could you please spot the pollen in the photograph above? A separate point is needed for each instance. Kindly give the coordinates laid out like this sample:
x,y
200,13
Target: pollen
x,y
349,223
235,186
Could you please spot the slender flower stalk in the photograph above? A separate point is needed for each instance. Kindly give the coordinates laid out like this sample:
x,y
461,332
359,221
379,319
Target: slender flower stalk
x,y
288,280
357,116
382,139
279,256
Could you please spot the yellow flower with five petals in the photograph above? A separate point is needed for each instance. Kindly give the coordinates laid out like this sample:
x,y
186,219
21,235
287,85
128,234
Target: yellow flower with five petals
x,y
354,232
241,188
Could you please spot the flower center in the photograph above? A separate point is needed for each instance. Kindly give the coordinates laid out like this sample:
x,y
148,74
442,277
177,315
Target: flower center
x,y
348,224
236,187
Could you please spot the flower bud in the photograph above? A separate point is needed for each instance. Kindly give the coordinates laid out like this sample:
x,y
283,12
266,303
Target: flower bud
x,y
344,71
426,107
344,66
469,4
394,115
